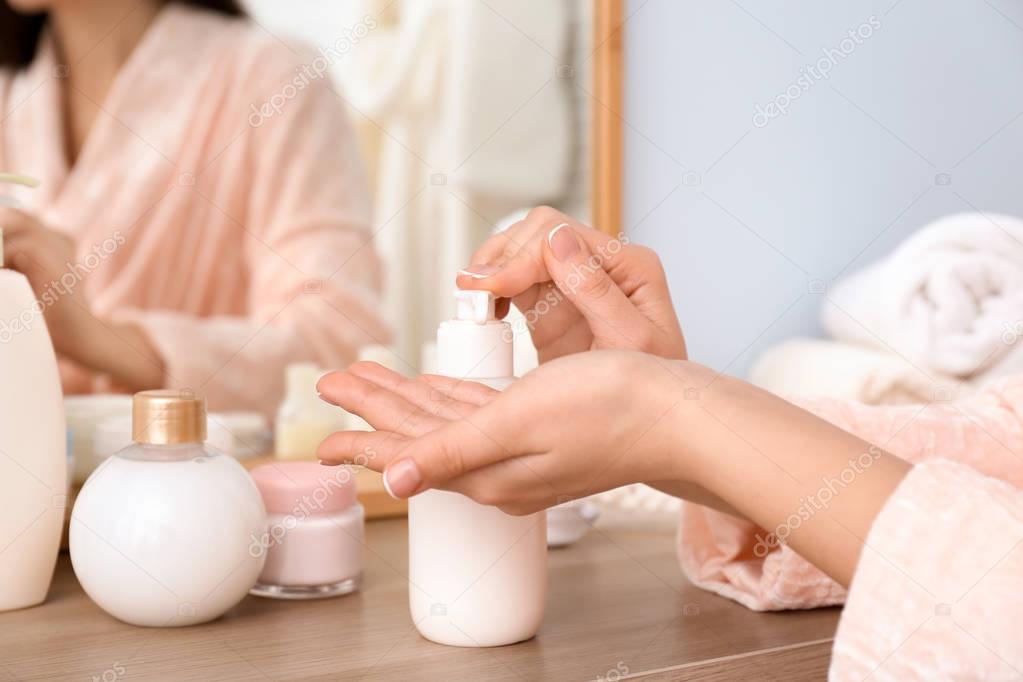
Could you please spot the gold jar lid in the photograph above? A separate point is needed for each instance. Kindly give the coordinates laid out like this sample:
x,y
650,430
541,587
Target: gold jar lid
x,y
167,417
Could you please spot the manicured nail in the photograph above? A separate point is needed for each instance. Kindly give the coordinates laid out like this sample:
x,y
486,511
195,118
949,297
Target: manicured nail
x,y
480,271
562,242
402,478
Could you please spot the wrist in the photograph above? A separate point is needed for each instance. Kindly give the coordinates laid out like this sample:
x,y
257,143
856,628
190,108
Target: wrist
x,y
774,462
74,332
687,387
120,350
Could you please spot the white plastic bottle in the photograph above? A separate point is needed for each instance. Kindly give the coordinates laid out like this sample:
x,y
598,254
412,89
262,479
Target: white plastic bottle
x,y
33,466
161,531
477,576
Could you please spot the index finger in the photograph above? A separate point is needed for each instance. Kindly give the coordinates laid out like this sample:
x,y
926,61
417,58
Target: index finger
x,y
514,275
510,240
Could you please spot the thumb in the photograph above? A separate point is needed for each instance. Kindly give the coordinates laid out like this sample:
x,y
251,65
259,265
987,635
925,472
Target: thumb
x,y
435,459
581,277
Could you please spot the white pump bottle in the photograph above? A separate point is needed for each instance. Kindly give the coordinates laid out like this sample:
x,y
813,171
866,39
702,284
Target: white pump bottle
x,y
33,448
477,576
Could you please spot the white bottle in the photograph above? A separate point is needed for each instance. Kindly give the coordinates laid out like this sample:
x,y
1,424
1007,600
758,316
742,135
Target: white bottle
x,y
161,533
33,466
477,576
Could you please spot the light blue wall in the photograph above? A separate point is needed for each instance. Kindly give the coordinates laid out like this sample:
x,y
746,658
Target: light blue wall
x,y
922,119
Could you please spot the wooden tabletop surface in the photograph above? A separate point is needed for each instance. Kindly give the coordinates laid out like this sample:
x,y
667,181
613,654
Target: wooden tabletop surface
x,y
619,607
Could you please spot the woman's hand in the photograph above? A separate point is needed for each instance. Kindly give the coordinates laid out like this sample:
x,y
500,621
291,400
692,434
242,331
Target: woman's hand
x,y
46,257
595,421
574,427
578,288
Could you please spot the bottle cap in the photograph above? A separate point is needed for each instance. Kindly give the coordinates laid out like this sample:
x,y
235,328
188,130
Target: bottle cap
x,y
287,486
300,381
168,417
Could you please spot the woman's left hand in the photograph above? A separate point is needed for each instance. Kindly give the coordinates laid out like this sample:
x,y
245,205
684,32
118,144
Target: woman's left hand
x,y
576,426
46,257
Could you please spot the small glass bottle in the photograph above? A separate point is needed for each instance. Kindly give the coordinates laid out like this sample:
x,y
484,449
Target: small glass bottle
x,y
303,420
161,530
314,537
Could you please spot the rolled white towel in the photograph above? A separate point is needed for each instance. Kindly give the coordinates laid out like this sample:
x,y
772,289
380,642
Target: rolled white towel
x,y
834,369
947,299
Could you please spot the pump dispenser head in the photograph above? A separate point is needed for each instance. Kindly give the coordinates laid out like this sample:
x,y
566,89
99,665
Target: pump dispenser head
x,y
474,344
475,306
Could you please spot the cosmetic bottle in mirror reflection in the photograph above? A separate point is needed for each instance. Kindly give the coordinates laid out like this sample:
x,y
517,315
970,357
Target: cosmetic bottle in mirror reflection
x,y
477,576
303,420
161,531
33,467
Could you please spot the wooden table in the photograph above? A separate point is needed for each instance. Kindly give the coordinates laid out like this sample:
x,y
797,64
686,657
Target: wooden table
x,y
618,607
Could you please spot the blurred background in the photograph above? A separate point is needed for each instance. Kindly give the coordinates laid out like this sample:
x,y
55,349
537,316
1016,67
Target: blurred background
x,y
755,215
767,151
468,114
470,111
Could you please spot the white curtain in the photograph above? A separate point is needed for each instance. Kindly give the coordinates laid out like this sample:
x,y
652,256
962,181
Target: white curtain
x,y
465,116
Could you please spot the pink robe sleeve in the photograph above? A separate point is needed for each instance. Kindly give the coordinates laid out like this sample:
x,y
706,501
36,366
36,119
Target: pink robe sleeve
x,y
938,591
739,560
297,194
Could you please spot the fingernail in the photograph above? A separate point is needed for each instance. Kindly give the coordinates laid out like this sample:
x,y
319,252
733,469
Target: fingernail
x,y
402,478
328,464
480,271
562,242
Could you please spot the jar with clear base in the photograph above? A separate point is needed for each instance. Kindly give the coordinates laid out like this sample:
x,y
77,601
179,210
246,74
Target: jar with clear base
x,y
315,531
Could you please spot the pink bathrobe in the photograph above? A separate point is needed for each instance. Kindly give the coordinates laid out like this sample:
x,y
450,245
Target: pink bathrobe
x,y
938,591
218,203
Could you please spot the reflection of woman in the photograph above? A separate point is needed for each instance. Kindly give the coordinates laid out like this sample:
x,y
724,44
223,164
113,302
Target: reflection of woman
x,y
202,217
933,552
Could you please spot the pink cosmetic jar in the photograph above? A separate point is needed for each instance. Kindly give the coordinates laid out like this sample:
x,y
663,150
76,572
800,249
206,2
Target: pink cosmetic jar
x,y
315,530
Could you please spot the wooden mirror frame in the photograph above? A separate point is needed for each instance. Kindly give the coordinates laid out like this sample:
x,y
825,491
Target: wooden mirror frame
x,y
606,117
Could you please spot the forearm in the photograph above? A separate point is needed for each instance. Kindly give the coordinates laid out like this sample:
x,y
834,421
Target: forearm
x,y
788,471
692,492
122,351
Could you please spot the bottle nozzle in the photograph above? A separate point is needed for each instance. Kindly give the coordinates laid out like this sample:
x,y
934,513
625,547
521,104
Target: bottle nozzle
x,y
474,306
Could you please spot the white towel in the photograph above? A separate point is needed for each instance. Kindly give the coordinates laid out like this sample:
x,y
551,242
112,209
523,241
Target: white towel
x,y
815,367
948,299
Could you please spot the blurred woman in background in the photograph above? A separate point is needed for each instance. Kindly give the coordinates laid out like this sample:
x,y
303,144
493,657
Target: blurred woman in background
x,y
202,217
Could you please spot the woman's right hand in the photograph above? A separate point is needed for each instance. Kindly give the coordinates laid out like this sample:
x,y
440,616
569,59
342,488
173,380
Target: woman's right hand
x,y
578,288
511,449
